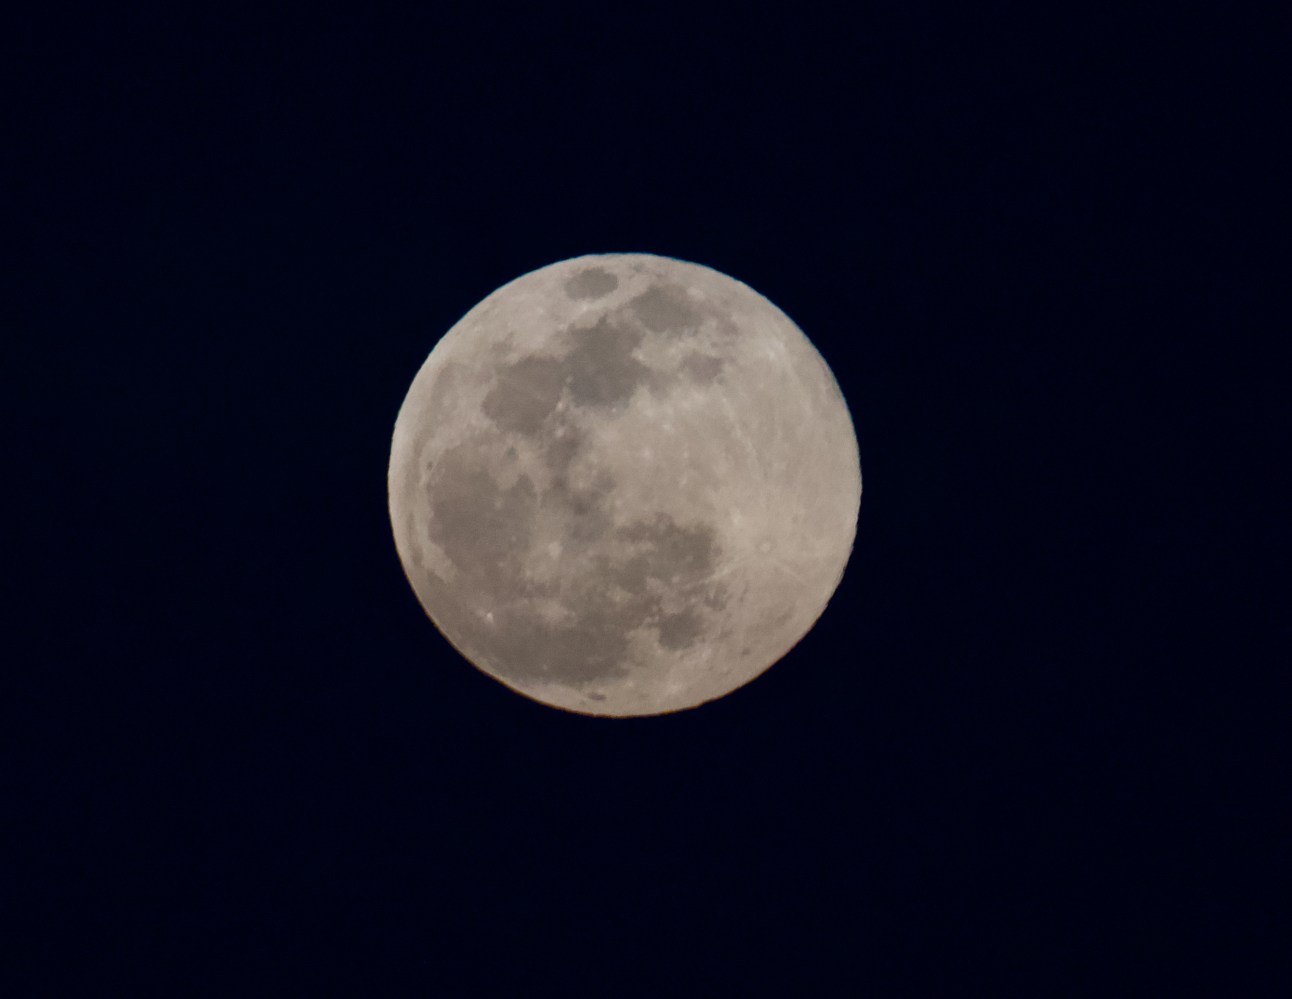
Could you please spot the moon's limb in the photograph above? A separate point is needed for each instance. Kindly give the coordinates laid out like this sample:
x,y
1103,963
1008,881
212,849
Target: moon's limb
x,y
624,484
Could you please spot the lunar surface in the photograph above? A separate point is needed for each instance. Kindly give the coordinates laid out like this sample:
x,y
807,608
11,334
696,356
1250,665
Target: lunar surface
x,y
624,485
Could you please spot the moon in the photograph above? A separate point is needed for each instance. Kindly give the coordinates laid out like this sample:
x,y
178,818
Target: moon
x,y
624,484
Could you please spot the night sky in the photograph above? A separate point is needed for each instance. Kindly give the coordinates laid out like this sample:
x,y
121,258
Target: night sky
x,y
247,762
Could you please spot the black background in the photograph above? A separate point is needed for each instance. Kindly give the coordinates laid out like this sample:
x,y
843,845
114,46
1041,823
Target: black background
x,y
1008,757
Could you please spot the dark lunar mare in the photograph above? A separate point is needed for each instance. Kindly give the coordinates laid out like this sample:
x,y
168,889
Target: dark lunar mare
x,y
591,283
650,573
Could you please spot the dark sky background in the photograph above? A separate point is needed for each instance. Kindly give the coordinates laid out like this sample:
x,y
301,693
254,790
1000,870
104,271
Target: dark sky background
x,y
247,761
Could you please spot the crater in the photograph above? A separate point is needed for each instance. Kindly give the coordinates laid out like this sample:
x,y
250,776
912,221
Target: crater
x,y
592,283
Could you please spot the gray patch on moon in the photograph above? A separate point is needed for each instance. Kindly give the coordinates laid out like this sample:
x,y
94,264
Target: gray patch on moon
x,y
525,393
649,575
601,368
680,631
669,552
584,509
716,598
480,526
560,449
594,282
592,648
663,308
598,368
702,367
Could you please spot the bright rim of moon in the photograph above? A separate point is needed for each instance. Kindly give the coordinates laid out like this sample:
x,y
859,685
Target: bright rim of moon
x,y
624,485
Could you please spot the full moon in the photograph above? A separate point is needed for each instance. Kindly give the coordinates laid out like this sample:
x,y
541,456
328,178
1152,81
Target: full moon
x,y
624,485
